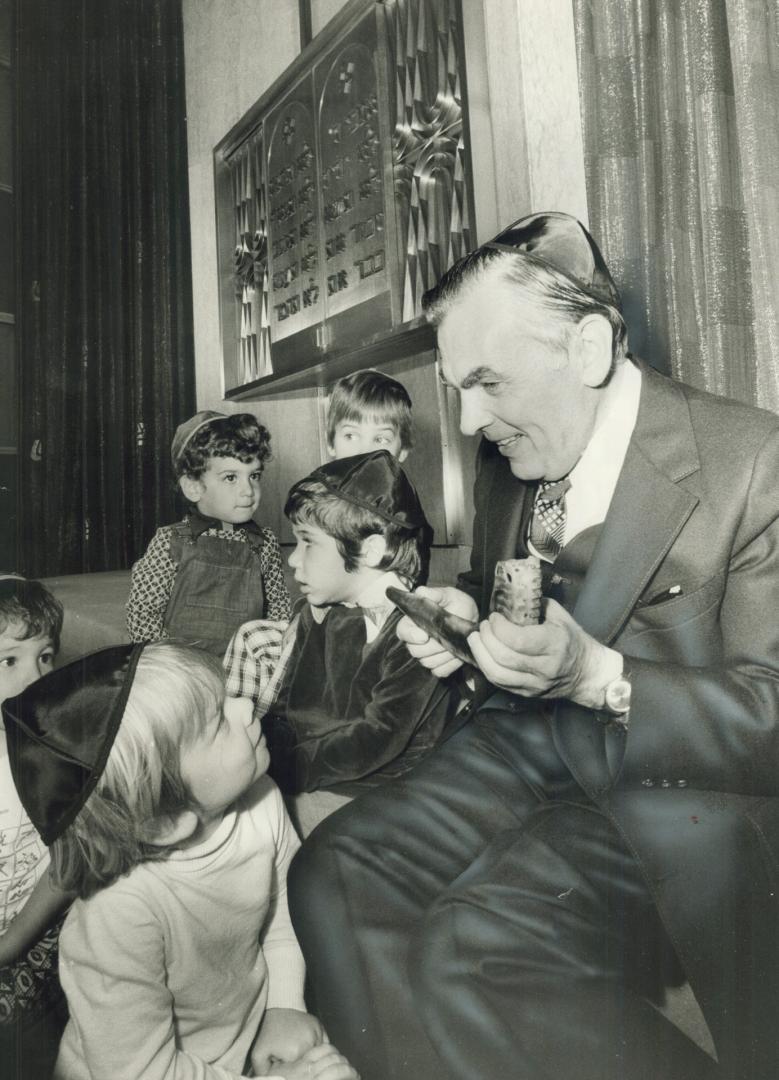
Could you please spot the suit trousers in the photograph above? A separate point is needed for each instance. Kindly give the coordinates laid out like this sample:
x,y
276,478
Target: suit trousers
x,y
481,918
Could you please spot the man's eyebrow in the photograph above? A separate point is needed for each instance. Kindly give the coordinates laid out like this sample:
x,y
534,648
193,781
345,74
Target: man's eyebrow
x,y
479,374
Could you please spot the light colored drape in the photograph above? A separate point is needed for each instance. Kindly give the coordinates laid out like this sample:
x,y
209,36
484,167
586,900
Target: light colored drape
x,y
680,111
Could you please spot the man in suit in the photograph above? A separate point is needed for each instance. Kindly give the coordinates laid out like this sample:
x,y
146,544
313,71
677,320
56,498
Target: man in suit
x,y
605,824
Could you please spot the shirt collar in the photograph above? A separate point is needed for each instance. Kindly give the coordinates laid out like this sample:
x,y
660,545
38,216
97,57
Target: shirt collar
x,y
594,477
375,594
200,523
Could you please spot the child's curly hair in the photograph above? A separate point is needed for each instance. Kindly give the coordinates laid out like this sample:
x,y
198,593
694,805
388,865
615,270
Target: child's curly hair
x,y
239,436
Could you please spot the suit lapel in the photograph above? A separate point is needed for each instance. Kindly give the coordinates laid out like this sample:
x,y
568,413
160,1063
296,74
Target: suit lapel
x,y
647,511
646,514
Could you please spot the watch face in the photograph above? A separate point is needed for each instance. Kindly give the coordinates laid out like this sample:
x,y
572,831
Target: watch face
x,y
618,696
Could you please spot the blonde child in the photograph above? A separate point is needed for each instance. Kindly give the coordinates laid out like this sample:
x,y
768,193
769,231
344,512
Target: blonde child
x,y
32,1010
178,959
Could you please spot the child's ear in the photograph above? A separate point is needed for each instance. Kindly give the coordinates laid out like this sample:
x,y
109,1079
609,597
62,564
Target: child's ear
x,y
331,449
402,456
170,830
191,488
374,548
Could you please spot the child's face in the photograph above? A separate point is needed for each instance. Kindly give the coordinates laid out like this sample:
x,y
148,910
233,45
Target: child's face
x,y
319,568
229,489
22,660
364,436
226,760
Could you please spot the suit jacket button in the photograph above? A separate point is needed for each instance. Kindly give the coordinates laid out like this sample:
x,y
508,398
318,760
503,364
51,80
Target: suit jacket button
x,y
665,783
648,782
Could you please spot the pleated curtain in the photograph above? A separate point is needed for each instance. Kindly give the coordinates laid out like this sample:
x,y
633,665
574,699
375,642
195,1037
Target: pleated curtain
x,y
105,298
680,110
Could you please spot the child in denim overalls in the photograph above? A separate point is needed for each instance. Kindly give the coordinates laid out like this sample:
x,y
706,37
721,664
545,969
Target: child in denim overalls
x,y
202,577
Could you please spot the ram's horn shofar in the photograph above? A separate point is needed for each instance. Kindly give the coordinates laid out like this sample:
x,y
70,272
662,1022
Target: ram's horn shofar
x,y
450,630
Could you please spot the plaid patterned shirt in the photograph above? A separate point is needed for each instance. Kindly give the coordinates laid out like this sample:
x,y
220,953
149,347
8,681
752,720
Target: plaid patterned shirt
x,y
154,573
256,660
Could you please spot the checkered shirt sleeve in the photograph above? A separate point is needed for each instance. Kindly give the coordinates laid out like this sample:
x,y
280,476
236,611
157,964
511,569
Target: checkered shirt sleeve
x,y
256,660
277,602
151,585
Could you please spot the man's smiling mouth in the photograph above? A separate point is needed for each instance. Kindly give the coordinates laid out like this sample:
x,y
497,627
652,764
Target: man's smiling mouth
x,y
510,440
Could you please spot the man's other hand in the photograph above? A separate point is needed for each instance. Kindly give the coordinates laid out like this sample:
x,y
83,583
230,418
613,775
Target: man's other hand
x,y
556,659
429,652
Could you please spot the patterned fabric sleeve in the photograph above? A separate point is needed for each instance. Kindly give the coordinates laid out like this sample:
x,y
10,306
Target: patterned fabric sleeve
x,y
151,585
278,605
252,656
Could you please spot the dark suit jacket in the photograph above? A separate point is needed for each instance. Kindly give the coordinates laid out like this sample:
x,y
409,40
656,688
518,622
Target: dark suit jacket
x,y
693,786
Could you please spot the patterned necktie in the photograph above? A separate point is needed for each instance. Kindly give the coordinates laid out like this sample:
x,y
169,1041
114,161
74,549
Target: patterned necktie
x,y
547,528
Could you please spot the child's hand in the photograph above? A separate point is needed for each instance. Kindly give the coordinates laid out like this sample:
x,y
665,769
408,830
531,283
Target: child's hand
x,y
321,1063
286,1035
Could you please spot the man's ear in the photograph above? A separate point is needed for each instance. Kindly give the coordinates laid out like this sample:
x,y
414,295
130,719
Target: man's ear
x,y
594,339
374,548
191,488
171,829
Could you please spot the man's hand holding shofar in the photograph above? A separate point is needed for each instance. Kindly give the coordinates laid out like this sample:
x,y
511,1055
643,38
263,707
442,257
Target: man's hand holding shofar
x,y
554,659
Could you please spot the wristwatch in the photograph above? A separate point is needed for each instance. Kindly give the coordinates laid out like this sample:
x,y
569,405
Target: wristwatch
x,y
617,695
616,698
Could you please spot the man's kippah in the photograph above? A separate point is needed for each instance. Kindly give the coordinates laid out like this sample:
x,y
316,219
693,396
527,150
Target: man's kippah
x,y
60,731
185,432
376,482
561,242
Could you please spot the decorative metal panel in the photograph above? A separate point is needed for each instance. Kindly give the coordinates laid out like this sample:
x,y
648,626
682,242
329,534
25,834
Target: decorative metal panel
x,y
343,194
428,145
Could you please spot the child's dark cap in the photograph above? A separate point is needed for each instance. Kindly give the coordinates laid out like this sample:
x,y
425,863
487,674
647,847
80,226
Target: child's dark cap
x,y
60,731
376,482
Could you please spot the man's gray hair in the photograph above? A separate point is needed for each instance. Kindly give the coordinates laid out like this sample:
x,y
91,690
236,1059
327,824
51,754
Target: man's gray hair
x,y
538,284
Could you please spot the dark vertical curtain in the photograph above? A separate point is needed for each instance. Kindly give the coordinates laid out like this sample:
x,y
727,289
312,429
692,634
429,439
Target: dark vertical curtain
x,y
105,300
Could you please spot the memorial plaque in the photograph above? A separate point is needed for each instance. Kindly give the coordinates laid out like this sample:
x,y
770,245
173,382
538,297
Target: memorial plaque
x,y
353,219
342,195
293,218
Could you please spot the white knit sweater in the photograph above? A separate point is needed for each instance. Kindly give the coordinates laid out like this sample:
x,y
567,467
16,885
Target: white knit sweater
x,y
168,971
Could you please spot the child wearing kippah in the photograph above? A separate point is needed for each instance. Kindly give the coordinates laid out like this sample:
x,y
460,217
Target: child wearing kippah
x,y
202,577
349,708
32,1009
178,959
